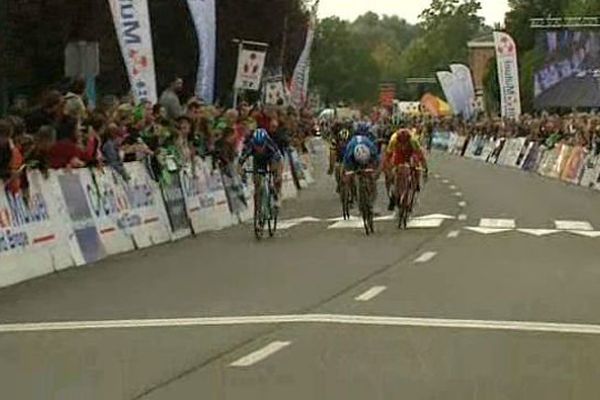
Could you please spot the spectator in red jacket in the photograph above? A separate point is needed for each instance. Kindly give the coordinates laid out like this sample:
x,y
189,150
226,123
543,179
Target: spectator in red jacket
x,y
68,151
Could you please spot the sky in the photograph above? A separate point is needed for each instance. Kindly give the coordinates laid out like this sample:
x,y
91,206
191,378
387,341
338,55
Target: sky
x,y
493,10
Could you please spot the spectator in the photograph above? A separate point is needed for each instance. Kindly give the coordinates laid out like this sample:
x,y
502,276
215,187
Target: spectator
x,y
49,113
39,157
11,159
74,105
67,151
169,99
111,151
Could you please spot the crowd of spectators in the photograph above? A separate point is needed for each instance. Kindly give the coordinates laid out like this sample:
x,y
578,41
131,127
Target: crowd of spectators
x,y
62,131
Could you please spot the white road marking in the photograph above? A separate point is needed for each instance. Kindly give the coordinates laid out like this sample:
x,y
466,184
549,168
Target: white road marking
x,y
390,217
446,181
260,355
453,187
453,234
462,204
371,293
425,257
520,326
573,225
436,216
458,194
284,225
437,176
341,219
425,223
354,223
538,232
462,217
590,234
487,231
497,223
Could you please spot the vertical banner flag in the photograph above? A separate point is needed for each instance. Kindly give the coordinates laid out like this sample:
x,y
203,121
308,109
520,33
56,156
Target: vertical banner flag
x,y
204,16
132,23
275,91
250,69
463,76
508,75
448,83
299,84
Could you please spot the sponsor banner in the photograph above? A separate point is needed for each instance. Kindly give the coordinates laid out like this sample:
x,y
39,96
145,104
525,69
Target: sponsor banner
x,y
441,140
301,75
523,155
86,236
132,23
449,86
508,75
548,161
591,172
487,150
464,78
174,199
235,192
216,187
531,159
289,190
204,16
275,93
34,240
574,165
564,152
250,69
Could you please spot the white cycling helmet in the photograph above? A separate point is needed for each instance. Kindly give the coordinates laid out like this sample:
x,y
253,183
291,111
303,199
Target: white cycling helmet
x,y
362,154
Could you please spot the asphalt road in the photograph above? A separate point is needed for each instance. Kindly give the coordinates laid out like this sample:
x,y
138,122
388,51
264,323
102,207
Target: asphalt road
x,y
498,299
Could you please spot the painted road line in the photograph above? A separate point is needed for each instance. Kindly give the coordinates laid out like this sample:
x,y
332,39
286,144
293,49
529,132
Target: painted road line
x,y
573,225
538,232
425,223
437,176
458,194
590,234
486,231
350,224
462,204
462,217
497,223
260,355
453,187
333,319
446,181
425,257
453,234
371,293
435,216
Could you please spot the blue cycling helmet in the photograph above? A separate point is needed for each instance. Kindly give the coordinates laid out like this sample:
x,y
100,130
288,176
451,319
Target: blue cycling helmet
x,y
260,137
363,130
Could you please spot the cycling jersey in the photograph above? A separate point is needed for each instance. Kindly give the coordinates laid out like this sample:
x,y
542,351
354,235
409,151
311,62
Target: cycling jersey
x,y
350,164
408,154
262,157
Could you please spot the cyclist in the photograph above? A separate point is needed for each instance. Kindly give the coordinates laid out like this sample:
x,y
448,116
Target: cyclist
x,y
337,151
361,153
266,157
404,151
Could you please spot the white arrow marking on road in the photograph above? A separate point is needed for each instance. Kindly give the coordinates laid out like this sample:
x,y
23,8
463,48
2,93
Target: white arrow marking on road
x,y
573,225
538,232
371,293
425,257
462,204
462,217
497,223
425,223
486,231
592,234
260,355
453,234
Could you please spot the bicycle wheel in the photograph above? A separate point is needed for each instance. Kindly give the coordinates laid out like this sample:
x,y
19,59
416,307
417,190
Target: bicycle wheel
x,y
273,213
259,212
363,201
345,198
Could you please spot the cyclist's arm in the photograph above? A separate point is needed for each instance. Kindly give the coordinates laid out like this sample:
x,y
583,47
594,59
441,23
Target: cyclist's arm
x,y
246,153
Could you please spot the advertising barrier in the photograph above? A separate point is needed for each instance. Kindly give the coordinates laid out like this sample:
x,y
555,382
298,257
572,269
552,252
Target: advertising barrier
x,y
77,217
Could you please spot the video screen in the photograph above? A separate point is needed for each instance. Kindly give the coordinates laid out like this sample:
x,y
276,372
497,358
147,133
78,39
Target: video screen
x,y
568,70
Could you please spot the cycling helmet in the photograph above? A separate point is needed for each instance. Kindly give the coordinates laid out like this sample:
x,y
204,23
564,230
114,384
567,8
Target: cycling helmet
x,y
363,129
345,135
404,136
362,154
259,138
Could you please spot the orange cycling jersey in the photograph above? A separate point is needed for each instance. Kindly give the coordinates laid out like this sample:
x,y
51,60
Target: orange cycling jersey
x,y
407,154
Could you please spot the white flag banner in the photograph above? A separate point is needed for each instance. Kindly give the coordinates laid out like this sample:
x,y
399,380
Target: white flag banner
x,y
448,83
204,16
463,75
250,69
301,76
508,75
132,23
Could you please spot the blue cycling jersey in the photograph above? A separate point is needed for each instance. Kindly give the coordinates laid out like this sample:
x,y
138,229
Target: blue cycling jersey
x,y
262,157
350,162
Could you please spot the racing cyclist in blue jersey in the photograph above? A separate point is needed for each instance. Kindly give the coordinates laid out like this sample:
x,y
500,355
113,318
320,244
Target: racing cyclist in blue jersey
x,y
266,157
361,153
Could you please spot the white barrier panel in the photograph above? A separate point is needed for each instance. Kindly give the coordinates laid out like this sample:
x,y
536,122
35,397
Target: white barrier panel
x,y
591,173
289,190
564,152
221,216
308,169
33,238
146,203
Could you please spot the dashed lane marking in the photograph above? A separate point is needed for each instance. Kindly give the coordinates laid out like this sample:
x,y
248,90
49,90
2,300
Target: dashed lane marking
x,y
462,204
497,223
426,257
573,225
462,217
453,234
260,355
371,293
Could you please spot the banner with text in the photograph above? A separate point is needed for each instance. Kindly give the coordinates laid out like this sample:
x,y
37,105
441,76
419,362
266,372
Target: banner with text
x,y
508,75
204,16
